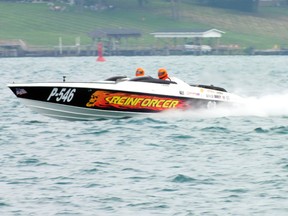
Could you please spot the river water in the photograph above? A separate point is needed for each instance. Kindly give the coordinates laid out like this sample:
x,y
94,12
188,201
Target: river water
x,y
223,162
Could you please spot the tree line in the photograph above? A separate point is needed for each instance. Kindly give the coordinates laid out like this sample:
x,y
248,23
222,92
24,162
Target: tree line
x,y
240,5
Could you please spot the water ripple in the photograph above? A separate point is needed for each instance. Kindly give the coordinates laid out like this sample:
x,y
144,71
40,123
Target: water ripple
x,y
229,162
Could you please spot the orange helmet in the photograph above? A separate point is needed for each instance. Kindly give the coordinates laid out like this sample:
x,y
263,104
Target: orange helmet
x,y
140,72
162,73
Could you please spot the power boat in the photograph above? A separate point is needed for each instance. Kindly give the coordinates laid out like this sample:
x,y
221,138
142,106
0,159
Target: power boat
x,y
118,97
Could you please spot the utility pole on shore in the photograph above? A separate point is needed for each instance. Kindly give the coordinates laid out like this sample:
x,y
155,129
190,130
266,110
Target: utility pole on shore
x,y
60,46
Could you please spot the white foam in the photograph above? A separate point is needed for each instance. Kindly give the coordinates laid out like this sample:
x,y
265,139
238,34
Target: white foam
x,y
264,106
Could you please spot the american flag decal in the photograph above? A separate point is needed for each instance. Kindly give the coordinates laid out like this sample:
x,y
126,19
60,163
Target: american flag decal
x,y
20,91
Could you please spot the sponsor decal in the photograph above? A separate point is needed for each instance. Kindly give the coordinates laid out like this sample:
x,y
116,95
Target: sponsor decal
x,y
193,93
120,100
20,91
209,96
210,91
217,96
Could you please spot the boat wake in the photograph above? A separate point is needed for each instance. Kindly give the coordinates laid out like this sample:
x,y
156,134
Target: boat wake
x,y
265,106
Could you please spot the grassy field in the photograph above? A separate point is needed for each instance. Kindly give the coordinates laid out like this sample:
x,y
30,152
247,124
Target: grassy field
x,y
36,24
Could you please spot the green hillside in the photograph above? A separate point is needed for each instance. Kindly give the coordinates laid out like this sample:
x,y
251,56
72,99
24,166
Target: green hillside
x,y
37,24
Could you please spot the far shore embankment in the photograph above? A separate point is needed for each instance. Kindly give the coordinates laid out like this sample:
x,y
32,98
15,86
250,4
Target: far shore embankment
x,y
18,50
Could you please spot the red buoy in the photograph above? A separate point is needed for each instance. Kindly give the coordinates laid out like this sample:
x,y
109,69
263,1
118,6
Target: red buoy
x,y
100,52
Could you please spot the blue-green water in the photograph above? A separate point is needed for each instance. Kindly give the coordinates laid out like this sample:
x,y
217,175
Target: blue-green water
x,y
224,162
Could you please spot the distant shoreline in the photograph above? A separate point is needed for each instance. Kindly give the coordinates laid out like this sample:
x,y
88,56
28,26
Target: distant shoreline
x,y
75,51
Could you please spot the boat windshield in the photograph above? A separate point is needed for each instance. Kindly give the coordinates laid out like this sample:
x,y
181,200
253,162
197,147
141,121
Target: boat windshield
x,y
151,80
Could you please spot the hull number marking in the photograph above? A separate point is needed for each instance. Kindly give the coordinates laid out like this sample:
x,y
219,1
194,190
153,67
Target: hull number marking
x,y
63,94
211,104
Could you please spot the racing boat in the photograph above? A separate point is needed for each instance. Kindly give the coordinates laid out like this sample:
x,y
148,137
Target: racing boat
x,y
118,97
